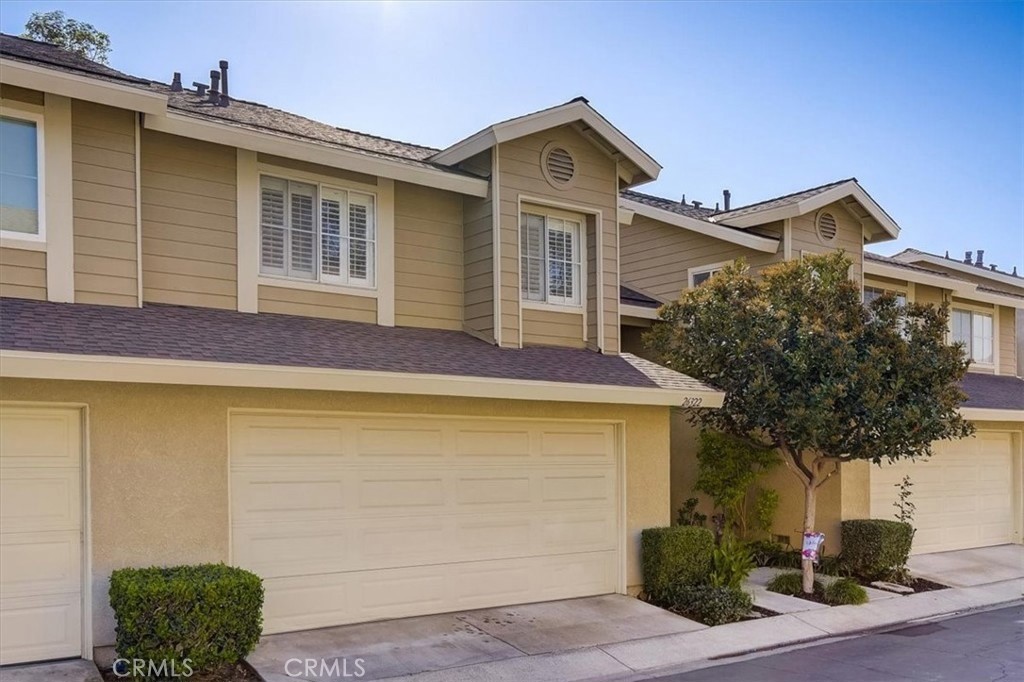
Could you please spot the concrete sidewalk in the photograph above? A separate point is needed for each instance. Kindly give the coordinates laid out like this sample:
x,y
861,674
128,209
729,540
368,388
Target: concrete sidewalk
x,y
634,658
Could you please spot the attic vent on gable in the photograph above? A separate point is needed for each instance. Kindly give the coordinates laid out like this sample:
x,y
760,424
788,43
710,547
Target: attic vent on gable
x,y
558,165
827,227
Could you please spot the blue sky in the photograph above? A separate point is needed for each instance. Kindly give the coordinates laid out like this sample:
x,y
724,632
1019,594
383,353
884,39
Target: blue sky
x,y
922,102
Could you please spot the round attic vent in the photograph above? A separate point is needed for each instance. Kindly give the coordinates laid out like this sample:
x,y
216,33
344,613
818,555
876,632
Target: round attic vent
x,y
827,227
559,165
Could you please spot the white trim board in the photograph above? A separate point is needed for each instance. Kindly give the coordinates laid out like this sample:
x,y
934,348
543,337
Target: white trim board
x,y
88,88
723,232
961,288
33,365
908,256
314,152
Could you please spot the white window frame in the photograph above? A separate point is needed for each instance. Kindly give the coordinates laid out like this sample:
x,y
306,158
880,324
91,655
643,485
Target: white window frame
x,y
341,282
885,290
969,348
712,269
578,264
9,110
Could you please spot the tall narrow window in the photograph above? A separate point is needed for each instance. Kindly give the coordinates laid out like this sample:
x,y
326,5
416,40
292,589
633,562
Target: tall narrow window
x,y
19,176
975,331
317,233
550,259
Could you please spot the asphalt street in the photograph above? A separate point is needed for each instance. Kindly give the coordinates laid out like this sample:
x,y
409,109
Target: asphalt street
x,y
979,647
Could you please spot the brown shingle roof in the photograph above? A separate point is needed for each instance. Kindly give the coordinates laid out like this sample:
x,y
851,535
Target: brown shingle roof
x,y
204,334
992,391
631,296
775,202
668,204
47,54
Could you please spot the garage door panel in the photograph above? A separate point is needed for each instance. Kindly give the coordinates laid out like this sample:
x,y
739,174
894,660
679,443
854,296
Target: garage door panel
x,y
423,515
39,628
963,493
39,499
39,437
295,603
40,563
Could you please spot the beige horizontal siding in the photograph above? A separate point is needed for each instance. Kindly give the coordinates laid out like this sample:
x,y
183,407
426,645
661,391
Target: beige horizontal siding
x,y
849,238
478,254
189,239
552,328
315,168
928,295
595,188
22,274
13,92
104,204
1007,341
428,257
657,257
287,301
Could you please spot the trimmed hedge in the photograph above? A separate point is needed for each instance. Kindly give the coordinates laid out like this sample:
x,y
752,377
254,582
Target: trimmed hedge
x,y
709,605
845,591
876,549
211,614
677,555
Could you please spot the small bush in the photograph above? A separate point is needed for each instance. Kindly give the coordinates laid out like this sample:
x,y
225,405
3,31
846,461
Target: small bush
x,y
675,555
709,605
791,584
731,563
211,614
844,591
876,549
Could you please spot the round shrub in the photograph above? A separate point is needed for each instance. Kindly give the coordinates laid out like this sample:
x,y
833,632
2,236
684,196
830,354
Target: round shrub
x,y
845,591
791,583
675,555
709,605
210,614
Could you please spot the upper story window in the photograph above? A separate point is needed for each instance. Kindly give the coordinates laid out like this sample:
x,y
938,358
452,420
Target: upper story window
x,y
873,293
21,187
550,259
975,331
700,275
318,233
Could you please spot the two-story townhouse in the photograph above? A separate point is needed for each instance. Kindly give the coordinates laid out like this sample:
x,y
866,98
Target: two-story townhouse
x,y
969,493
385,377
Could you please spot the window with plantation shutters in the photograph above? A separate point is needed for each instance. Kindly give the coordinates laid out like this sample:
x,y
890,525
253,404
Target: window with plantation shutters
x,y
317,233
550,259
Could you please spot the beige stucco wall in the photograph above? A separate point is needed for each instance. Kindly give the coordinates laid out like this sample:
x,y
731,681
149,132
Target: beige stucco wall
x,y
158,463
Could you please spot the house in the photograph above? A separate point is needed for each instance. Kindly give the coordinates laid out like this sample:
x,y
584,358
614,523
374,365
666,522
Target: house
x,y
385,377
969,493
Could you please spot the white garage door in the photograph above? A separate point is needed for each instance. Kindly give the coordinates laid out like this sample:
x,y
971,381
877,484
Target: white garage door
x,y
40,534
964,493
351,519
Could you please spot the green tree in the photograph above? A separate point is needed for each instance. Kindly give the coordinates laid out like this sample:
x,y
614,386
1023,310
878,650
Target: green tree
x,y
70,34
809,370
726,468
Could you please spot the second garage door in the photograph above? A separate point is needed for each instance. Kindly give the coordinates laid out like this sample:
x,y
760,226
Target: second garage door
x,y
355,518
963,493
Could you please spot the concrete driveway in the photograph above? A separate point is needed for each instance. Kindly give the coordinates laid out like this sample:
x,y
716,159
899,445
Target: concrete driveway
x,y
393,648
969,567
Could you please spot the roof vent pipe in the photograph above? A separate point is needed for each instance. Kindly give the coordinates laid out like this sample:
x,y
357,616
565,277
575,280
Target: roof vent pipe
x,y
981,258
215,86
176,82
993,266
726,198
967,257
200,87
697,204
683,200
224,76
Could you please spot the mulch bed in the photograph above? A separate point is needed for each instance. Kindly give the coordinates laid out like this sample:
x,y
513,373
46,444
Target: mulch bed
x,y
234,673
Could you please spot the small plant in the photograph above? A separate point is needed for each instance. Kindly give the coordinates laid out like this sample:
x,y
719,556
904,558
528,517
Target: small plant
x,y
708,604
904,507
844,591
688,514
727,467
678,555
771,553
731,563
766,503
791,583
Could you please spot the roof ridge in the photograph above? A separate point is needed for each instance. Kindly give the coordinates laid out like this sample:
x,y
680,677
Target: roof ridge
x,y
786,196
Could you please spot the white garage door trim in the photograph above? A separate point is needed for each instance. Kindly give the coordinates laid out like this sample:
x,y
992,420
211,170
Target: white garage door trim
x,y
617,516
81,411
883,509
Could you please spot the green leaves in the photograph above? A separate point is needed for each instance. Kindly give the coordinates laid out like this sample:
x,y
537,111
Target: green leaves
x,y
72,35
806,367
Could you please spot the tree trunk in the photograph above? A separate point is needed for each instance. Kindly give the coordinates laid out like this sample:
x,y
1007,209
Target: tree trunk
x,y
810,504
